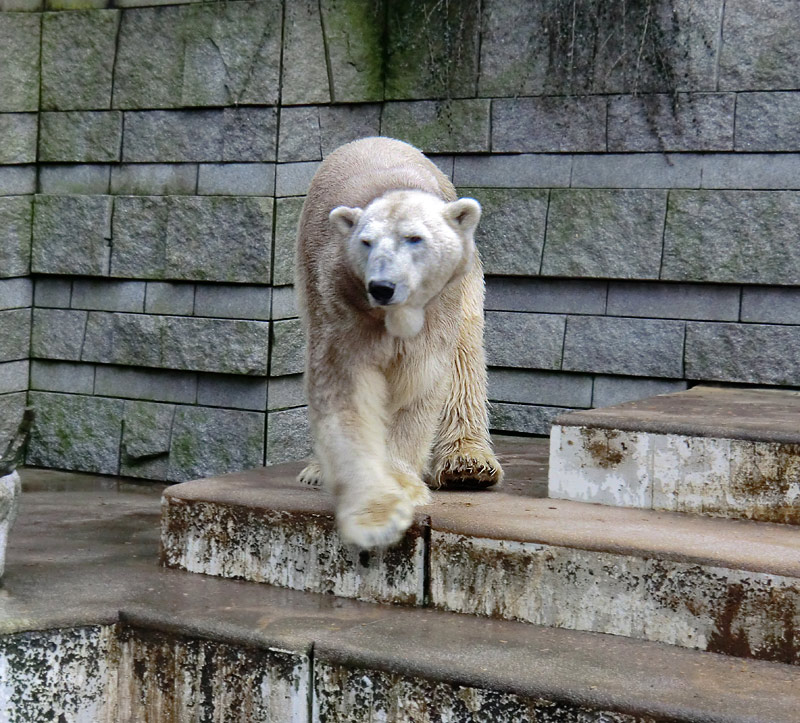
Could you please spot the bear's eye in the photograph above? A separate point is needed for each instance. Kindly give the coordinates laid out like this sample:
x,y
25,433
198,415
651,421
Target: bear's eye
x,y
414,239
366,242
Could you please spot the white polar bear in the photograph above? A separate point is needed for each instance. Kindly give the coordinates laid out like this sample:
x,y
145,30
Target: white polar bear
x,y
390,290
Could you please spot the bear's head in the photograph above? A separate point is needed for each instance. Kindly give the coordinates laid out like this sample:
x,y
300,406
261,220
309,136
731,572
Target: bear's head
x,y
407,246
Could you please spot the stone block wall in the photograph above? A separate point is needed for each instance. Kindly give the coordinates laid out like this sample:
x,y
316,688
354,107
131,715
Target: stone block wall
x,y
638,164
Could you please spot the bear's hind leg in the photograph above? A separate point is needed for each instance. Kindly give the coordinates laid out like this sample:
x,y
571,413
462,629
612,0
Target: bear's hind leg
x,y
462,453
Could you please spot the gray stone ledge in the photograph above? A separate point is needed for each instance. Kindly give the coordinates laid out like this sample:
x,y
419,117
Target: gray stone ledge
x,y
81,179
747,171
770,305
630,347
169,298
638,170
536,387
284,302
108,295
609,391
146,384
549,296
233,302
17,180
16,293
513,171
236,179
673,301
293,179
216,390
13,378
523,418
18,134
53,376
534,341
53,292
154,179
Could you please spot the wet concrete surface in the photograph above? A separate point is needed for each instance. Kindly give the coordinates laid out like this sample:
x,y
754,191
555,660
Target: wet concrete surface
x,y
85,551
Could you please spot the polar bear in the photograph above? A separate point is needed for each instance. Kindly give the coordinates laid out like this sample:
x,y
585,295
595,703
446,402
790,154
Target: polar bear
x,y
390,292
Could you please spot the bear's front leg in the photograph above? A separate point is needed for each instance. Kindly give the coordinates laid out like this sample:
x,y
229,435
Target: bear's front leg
x,y
462,452
349,424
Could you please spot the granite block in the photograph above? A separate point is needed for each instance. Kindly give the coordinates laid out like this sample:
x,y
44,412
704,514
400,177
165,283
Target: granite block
x,y
610,391
71,235
549,125
236,179
83,179
232,302
15,293
768,121
61,376
148,384
168,298
732,237
549,296
517,171
288,348
16,213
638,170
78,52
75,432
770,305
607,234
534,387
673,301
17,180
18,133
287,217
217,390
632,347
534,341
20,38
53,292
14,377
288,435
305,68
154,179
58,334
107,295
452,126
523,418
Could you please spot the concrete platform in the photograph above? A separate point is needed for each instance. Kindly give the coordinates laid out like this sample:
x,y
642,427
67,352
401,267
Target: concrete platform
x,y
714,451
728,586
92,629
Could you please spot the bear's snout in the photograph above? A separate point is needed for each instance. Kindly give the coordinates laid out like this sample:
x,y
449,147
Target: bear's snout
x,y
381,291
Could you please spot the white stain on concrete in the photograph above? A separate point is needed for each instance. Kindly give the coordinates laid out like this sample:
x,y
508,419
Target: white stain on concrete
x,y
703,475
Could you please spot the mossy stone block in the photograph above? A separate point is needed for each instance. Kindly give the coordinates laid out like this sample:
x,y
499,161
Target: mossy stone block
x,y
19,71
18,133
210,54
305,69
453,126
745,237
81,137
604,233
354,37
208,441
76,432
432,49
16,213
146,439
288,348
510,234
71,235
287,216
78,59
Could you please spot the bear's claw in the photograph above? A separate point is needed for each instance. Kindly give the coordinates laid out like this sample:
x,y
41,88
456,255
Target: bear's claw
x,y
474,471
311,475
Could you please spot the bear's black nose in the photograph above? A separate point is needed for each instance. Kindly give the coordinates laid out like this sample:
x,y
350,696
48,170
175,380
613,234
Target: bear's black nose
x,y
381,291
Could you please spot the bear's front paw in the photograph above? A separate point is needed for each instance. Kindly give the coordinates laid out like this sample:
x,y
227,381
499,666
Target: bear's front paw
x,y
378,521
469,467
416,490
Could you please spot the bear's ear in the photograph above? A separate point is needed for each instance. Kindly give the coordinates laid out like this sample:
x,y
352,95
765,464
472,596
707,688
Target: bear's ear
x,y
463,215
344,219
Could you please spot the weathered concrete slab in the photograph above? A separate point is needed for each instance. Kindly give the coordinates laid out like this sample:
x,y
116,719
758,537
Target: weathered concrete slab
x,y
83,568
263,526
711,451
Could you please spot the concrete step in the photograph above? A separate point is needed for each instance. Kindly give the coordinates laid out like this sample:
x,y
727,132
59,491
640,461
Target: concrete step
x,y
714,451
92,629
727,586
